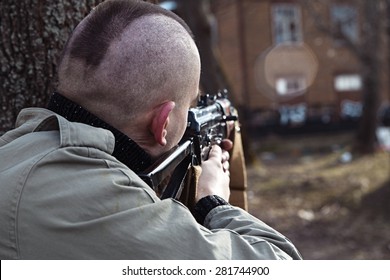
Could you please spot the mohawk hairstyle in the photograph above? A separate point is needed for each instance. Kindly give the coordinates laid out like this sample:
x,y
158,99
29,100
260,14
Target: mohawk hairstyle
x,y
107,22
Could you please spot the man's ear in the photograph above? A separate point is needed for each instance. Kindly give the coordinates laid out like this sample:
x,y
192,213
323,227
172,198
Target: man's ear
x,y
160,121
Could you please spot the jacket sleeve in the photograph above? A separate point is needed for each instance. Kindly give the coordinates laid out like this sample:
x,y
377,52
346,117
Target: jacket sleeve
x,y
263,241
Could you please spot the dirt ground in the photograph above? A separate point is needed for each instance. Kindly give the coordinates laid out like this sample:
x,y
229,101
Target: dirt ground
x,y
331,203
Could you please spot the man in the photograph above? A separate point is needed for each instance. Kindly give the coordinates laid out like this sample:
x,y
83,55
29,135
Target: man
x,y
69,190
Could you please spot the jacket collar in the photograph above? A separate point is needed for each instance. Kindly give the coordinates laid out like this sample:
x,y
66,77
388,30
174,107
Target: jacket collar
x,y
125,150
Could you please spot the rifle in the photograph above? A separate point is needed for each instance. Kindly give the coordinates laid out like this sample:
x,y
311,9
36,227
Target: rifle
x,y
208,124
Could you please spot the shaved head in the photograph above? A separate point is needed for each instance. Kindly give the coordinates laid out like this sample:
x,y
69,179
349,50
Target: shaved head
x,y
126,57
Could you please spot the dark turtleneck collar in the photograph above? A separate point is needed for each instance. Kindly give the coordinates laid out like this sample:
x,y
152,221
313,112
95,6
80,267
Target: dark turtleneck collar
x,y
126,150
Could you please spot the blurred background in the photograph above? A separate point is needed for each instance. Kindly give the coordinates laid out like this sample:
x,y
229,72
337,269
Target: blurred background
x,y
310,80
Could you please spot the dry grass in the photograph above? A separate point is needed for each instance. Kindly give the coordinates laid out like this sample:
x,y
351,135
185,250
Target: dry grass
x,y
330,208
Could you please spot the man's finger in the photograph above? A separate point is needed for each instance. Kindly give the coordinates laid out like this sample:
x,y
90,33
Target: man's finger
x,y
215,152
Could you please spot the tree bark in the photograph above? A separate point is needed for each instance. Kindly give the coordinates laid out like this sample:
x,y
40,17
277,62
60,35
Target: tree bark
x,y
366,135
387,4
32,34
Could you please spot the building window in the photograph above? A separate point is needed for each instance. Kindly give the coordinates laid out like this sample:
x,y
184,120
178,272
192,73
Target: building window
x,y
348,82
289,85
286,23
344,23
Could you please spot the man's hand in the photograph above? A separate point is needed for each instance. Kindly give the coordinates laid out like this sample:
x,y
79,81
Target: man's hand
x,y
214,179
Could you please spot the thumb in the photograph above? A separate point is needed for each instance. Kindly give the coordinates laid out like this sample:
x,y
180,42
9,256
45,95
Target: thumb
x,y
215,152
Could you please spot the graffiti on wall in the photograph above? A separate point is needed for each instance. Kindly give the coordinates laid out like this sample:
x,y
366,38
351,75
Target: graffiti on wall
x,y
351,109
293,114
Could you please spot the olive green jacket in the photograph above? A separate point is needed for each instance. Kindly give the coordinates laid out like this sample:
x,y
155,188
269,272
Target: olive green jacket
x,y
63,196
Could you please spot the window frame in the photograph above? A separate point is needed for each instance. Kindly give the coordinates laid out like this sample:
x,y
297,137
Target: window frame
x,y
281,22
344,28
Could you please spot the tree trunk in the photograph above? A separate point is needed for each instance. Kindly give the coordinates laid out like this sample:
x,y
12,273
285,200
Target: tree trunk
x,y
387,15
387,4
32,34
366,135
368,54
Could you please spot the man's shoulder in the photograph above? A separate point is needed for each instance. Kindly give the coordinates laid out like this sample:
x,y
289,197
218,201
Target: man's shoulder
x,y
71,134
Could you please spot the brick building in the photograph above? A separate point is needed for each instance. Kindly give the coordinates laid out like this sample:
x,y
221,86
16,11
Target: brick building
x,y
285,70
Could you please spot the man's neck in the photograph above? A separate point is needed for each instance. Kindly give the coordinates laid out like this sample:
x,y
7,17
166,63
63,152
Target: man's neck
x,y
126,150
